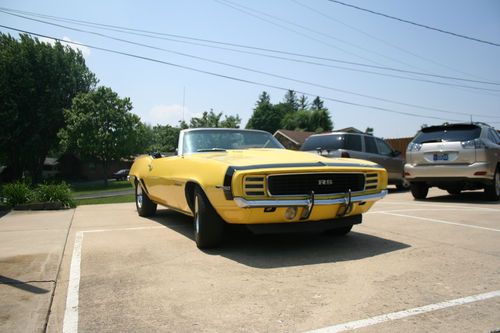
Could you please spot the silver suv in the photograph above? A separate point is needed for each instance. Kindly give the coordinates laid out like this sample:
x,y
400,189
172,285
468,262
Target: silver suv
x,y
454,157
362,146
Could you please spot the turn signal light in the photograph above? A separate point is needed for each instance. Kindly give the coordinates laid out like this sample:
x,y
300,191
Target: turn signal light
x,y
290,213
480,173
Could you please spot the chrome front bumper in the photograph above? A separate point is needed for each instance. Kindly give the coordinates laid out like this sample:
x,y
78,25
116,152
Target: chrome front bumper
x,y
243,203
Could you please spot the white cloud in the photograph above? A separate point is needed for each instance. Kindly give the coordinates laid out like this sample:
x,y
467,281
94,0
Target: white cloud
x,y
85,50
166,115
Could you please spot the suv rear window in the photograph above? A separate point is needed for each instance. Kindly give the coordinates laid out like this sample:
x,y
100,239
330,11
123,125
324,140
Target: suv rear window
x,y
448,133
333,142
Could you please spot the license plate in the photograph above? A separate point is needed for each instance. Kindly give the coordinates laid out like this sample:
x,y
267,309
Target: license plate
x,y
440,157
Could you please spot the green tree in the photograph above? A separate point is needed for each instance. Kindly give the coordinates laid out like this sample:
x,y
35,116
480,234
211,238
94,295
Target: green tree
x,y
317,104
212,119
99,125
165,138
303,103
291,101
369,130
37,82
266,116
316,119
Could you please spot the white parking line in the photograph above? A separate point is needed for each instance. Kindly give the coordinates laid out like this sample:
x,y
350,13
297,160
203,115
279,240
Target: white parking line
x,y
70,323
438,221
405,313
432,204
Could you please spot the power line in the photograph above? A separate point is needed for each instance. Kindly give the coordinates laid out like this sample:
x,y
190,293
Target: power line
x,y
255,83
430,60
416,24
272,22
256,71
153,34
277,57
306,28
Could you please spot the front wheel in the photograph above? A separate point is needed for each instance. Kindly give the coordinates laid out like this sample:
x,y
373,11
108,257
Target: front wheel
x,y
208,226
145,207
493,191
419,190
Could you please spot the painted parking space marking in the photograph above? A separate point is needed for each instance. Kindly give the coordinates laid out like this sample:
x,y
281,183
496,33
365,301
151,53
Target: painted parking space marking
x,y
406,313
431,204
438,221
415,210
70,322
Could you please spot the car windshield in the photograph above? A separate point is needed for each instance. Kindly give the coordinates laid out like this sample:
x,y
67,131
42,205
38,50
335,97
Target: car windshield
x,y
448,133
221,140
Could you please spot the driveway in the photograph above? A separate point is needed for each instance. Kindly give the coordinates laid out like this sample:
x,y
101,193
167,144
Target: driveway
x,y
415,266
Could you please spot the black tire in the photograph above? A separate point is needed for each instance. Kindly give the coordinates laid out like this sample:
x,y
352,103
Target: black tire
x,y
454,191
145,207
208,226
339,231
493,190
419,190
403,186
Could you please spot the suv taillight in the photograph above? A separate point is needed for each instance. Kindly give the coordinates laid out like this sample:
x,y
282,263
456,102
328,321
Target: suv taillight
x,y
471,144
414,146
345,154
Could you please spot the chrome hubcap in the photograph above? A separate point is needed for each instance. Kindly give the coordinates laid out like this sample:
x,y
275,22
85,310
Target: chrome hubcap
x,y
138,196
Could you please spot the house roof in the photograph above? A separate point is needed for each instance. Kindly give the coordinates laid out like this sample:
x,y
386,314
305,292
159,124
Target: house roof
x,y
296,137
349,130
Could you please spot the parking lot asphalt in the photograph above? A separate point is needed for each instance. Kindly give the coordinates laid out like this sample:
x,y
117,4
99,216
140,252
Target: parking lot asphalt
x,y
414,266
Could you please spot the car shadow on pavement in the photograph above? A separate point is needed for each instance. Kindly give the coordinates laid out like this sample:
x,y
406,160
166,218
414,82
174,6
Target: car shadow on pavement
x,y
285,249
473,197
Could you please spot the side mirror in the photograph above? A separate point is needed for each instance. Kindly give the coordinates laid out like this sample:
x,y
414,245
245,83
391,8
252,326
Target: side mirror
x,y
396,153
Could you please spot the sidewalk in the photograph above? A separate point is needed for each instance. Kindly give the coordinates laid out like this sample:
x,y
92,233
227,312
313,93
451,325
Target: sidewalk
x,y
31,249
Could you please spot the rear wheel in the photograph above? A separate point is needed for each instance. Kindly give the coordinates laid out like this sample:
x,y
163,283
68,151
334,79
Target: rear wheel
x,y
419,190
145,207
493,191
208,226
403,186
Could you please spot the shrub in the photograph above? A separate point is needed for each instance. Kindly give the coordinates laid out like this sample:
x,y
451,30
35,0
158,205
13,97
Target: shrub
x,y
55,193
17,193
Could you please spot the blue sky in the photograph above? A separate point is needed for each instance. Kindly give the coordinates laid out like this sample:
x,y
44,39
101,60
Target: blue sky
x,y
165,94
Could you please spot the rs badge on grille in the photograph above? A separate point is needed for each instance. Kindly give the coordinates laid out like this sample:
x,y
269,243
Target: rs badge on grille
x,y
325,181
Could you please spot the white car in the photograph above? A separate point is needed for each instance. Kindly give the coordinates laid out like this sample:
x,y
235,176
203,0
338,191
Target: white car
x,y
454,157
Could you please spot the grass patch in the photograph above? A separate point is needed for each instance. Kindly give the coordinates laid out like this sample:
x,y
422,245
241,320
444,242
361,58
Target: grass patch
x,y
108,200
80,189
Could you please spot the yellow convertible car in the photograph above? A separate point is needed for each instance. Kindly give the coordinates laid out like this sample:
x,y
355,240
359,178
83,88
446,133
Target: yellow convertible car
x,y
237,176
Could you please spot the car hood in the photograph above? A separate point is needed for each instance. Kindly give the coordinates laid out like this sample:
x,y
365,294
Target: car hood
x,y
262,156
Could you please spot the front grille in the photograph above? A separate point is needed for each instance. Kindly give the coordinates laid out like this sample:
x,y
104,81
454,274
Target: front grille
x,y
320,183
371,181
254,185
